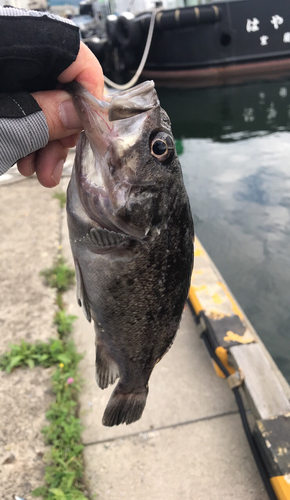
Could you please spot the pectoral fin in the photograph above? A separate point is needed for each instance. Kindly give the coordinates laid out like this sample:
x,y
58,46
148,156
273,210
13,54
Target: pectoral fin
x,y
81,293
104,238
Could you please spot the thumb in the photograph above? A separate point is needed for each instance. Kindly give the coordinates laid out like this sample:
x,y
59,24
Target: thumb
x,y
60,113
86,70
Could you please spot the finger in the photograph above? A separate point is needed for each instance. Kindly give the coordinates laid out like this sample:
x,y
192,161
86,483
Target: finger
x,y
49,163
86,70
70,142
26,165
60,113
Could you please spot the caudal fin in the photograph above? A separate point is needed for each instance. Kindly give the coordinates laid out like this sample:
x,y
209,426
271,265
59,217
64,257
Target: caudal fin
x,y
124,408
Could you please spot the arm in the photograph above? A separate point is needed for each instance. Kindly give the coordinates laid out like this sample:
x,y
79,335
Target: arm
x,y
36,52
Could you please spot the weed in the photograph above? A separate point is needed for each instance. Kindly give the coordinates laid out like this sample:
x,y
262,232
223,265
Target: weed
x,y
40,353
59,276
64,469
61,197
179,146
64,472
59,301
64,323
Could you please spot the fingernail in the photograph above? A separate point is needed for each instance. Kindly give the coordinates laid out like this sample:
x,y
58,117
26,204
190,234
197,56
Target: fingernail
x,y
32,167
68,115
56,174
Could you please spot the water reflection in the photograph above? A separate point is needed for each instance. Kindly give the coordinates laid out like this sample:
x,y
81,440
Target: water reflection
x,y
236,163
229,113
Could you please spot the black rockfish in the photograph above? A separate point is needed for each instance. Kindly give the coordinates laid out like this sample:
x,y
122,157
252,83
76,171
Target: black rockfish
x,y
131,234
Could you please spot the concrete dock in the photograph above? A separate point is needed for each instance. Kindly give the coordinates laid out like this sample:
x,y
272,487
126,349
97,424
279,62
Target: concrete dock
x,y
189,443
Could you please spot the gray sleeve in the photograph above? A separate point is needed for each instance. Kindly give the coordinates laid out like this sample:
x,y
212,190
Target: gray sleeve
x,y
21,135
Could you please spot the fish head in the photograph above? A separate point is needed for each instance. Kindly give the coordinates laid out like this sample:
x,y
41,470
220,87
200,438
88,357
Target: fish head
x,y
125,159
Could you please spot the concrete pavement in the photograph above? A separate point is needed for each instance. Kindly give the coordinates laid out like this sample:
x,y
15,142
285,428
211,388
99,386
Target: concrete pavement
x,y
189,443
29,222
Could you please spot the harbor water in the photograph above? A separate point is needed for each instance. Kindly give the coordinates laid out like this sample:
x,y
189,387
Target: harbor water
x,y
234,147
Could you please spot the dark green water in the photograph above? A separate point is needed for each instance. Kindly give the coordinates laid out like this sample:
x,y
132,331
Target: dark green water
x,y
236,164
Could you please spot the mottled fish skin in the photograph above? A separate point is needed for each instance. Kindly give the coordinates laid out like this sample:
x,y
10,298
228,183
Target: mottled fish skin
x,y
131,234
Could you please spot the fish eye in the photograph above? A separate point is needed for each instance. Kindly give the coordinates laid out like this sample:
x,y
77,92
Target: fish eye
x,y
159,147
162,146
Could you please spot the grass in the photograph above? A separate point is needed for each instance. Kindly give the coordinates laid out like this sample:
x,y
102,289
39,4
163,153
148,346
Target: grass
x,y
61,197
64,462
179,146
59,276
44,354
64,470
64,323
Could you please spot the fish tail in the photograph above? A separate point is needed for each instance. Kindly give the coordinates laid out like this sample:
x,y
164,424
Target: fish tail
x,y
106,369
124,407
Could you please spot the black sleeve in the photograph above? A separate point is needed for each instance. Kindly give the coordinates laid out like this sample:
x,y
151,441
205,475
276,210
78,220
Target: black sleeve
x,y
34,49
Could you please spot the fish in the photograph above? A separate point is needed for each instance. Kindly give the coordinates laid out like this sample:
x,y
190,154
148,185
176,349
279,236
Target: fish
x,y
131,234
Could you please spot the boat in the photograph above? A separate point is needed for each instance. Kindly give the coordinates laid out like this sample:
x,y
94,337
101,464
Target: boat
x,y
226,42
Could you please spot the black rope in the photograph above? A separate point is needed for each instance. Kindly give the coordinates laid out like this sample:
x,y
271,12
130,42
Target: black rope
x,y
255,451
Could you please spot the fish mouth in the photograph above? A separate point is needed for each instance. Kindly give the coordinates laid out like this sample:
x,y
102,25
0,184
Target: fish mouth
x,y
100,117
112,128
119,106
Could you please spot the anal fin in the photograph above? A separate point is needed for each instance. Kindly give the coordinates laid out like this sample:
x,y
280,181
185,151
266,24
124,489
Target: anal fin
x,y
106,369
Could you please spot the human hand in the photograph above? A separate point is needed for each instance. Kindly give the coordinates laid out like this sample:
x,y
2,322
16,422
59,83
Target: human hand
x,y
63,122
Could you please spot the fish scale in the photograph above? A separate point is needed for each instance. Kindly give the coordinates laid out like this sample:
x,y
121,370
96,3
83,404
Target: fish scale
x,y
133,270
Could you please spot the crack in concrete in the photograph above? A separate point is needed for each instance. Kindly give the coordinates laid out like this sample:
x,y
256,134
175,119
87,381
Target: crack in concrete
x,y
164,427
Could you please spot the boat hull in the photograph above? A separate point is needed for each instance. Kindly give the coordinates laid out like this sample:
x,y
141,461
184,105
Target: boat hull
x,y
231,74
232,32
215,44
